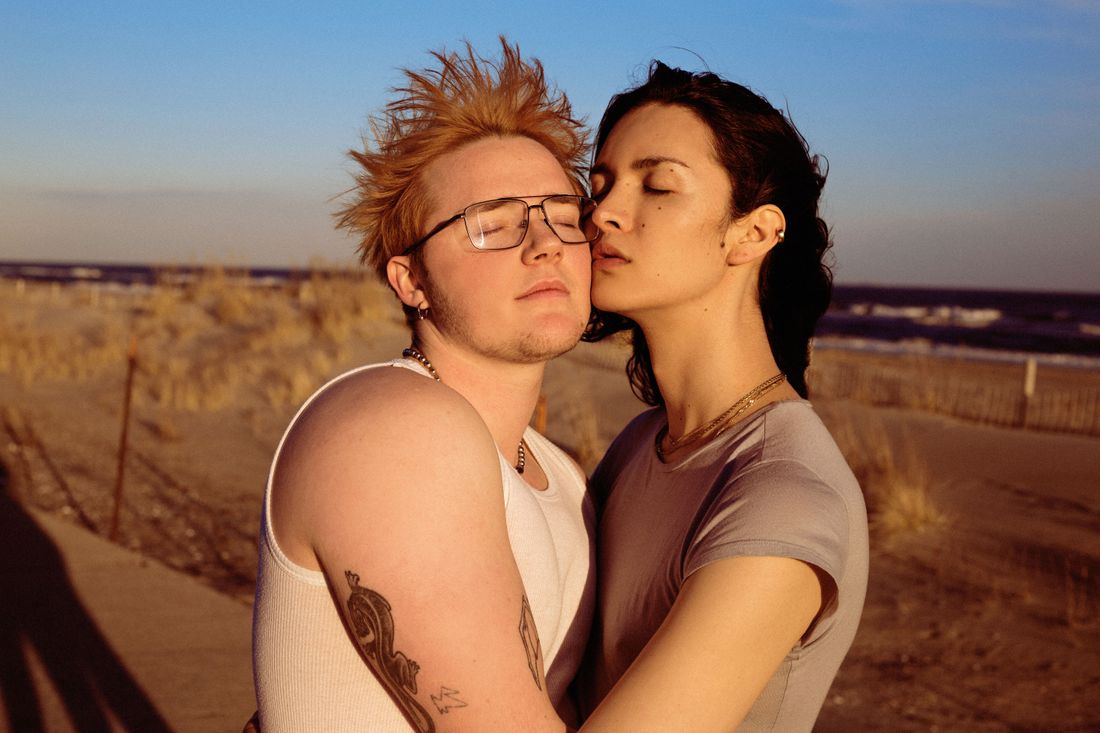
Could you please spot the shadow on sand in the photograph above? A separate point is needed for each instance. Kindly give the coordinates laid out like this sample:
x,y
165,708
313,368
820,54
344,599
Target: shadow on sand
x,y
40,612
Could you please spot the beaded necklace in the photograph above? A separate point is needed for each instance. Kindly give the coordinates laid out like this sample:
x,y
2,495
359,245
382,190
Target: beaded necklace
x,y
414,353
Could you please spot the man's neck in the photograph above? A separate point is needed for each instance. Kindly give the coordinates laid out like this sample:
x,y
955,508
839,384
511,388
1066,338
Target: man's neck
x,y
504,393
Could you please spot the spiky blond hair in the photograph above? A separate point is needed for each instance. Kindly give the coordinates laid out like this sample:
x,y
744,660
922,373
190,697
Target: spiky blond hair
x,y
440,109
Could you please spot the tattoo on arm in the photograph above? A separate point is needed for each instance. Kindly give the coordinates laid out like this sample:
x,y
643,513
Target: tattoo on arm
x,y
447,700
530,636
372,623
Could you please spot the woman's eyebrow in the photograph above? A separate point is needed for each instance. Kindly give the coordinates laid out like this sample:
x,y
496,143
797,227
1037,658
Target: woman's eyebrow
x,y
652,161
656,160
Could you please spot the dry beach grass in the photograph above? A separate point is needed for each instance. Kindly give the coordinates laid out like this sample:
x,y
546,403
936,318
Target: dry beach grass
x,y
982,612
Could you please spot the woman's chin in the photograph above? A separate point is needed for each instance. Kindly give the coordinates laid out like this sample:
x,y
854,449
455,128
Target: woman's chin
x,y
607,299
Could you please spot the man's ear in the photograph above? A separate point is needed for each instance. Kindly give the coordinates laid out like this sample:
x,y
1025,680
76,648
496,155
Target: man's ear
x,y
753,235
404,281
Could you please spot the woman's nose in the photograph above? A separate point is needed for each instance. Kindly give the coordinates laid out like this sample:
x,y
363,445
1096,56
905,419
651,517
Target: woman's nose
x,y
610,215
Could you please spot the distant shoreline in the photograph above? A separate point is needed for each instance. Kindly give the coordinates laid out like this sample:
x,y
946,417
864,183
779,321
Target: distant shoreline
x,y
1056,329
81,271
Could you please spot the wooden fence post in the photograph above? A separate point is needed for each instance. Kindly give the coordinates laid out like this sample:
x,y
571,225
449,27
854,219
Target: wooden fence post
x,y
1030,372
131,361
540,415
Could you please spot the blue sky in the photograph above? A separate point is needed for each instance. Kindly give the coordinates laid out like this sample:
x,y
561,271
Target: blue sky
x,y
963,137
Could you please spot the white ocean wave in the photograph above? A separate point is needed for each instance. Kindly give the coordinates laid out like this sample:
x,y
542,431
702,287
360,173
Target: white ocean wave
x,y
925,347
940,315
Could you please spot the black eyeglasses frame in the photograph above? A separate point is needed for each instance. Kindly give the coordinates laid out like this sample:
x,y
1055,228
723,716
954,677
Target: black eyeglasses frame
x,y
585,201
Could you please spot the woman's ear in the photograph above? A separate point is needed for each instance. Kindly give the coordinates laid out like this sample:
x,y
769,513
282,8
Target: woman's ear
x,y
753,235
404,281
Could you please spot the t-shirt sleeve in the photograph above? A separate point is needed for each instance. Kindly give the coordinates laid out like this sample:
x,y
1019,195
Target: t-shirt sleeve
x,y
779,508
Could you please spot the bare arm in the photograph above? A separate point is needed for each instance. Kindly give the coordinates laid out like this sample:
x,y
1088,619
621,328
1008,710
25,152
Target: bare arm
x,y
731,626
403,510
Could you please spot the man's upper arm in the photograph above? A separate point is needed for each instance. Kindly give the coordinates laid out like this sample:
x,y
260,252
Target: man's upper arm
x,y
732,624
406,518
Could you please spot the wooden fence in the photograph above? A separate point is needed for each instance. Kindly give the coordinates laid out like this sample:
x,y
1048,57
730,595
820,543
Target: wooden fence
x,y
996,394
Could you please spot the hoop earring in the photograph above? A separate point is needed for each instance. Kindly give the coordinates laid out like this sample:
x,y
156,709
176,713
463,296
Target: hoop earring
x,y
421,313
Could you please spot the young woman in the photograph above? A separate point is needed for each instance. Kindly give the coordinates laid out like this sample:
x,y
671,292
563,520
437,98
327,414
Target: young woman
x,y
732,536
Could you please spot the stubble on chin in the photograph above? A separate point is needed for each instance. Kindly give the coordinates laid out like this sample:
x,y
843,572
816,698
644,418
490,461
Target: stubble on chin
x,y
535,348
530,347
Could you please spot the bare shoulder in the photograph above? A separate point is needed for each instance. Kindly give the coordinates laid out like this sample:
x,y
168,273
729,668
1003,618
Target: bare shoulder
x,y
382,414
372,395
385,441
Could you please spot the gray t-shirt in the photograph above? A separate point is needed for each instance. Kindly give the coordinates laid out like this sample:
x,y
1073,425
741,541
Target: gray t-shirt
x,y
773,485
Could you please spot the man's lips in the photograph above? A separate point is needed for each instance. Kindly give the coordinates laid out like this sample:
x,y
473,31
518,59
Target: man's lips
x,y
545,288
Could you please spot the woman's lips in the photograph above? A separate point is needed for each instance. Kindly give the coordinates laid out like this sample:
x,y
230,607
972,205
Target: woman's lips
x,y
605,257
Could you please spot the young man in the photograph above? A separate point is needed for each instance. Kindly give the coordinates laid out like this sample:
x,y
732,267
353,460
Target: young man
x,y
424,554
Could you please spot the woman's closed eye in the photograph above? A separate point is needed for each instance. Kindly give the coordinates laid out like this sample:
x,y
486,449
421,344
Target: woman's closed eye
x,y
599,186
659,184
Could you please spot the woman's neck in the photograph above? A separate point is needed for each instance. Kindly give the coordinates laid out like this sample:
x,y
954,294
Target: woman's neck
x,y
706,360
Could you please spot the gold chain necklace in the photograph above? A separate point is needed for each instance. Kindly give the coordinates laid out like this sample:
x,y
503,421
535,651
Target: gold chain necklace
x,y
414,353
743,403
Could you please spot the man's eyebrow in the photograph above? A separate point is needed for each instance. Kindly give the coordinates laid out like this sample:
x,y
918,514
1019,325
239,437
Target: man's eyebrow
x,y
642,164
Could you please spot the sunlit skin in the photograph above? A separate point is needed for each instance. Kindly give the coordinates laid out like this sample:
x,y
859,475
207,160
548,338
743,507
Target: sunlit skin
x,y
397,478
670,258
525,304
496,317
673,260
663,211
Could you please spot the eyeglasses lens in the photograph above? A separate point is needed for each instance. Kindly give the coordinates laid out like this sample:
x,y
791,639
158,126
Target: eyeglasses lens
x,y
496,224
502,224
569,217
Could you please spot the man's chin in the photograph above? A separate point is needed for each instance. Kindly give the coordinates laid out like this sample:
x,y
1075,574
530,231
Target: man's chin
x,y
548,344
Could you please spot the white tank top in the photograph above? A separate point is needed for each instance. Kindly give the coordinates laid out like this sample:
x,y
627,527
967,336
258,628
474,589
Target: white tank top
x,y
310,677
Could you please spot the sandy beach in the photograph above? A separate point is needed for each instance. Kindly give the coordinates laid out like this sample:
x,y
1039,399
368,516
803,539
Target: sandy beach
x,y
983,611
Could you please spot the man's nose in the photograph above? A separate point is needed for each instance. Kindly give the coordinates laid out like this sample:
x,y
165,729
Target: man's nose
x,y
541,240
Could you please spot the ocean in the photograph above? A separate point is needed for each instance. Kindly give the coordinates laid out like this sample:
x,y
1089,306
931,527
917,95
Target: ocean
x,y
1001,325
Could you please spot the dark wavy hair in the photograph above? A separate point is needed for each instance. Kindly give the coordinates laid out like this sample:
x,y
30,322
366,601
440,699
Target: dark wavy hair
x,y
768,162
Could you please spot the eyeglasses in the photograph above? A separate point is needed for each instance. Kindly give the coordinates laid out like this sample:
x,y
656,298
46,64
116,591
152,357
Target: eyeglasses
x,y
503,223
